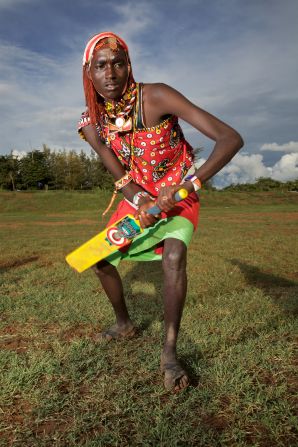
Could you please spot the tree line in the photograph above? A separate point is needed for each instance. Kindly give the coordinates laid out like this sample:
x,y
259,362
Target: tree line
x,y
48,169
69,170
264,184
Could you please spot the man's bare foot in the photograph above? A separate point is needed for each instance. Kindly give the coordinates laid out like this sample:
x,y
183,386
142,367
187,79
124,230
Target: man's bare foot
x,y
117,332
175,377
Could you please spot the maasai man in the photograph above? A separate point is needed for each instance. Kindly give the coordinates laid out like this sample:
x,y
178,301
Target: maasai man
x,y
134,129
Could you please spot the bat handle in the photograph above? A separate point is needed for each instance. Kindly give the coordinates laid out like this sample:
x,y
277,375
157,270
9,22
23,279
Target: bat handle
x,y
180,195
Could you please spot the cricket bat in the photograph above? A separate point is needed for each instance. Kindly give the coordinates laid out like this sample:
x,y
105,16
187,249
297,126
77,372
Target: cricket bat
x,y
112,238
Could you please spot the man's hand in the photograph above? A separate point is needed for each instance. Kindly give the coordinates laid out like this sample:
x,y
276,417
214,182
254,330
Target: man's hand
x,y
166,200
146,220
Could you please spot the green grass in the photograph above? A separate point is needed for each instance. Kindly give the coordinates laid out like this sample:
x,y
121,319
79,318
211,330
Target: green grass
x,y
238,334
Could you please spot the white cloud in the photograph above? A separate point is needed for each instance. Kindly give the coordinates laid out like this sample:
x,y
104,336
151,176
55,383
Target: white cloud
x,y
243,169
18,154
133,20
286,168
249,168
41,100
291,146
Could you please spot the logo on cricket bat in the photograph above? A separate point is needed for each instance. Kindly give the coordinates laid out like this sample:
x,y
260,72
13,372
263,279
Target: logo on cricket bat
x,y
126,229
113,237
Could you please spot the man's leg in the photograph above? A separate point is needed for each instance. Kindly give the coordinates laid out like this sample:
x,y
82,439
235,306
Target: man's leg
x,y
112,285
175,286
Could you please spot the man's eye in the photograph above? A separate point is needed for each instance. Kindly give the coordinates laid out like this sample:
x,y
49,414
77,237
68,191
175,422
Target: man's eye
x,y
119,64
99,66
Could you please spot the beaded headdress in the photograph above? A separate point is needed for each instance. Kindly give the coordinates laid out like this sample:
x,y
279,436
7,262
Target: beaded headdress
x,y
91,44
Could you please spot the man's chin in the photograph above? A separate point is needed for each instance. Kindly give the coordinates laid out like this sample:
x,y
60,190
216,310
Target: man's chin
x,y
114,95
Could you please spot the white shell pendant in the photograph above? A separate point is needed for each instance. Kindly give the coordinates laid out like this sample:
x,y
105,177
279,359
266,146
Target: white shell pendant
x,y
119,122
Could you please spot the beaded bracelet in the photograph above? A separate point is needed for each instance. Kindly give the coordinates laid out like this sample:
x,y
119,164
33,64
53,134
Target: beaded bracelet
x,y
195,181
123,181
138,195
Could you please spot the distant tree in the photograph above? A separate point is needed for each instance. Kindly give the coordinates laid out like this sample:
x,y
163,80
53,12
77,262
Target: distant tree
x,y
292,185
58,169
74,171
9,172
85,163
47,153
34,170
99,176
267,184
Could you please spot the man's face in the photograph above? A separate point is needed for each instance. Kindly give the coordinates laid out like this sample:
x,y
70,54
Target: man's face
x,y
109,72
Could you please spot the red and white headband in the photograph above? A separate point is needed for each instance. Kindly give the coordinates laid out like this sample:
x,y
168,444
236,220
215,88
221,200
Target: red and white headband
x,y
88,53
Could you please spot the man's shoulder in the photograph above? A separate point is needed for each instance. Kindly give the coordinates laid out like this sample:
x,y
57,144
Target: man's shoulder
x,y
155,91
155,86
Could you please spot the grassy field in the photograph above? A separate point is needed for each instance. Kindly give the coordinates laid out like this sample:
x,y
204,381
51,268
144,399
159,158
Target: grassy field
x,y
59,388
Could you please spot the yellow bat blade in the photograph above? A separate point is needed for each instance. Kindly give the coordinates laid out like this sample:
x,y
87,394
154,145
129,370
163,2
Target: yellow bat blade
x,y
104,243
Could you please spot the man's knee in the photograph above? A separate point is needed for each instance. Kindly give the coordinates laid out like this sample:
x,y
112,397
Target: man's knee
x,y
174,255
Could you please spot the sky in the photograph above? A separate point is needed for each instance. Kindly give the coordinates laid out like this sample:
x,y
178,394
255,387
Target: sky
x,y
237,59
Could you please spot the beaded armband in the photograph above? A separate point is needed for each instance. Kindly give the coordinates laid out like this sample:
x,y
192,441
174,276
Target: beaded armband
x,y
123,181
83,122
195,181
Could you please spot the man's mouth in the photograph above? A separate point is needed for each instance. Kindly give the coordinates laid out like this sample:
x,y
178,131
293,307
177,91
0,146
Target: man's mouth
x,y
112,87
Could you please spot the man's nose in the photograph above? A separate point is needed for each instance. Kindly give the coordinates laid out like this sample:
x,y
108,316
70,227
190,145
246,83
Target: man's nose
x,y
110,72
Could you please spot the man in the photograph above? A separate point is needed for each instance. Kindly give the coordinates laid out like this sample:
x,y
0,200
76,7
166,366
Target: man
x,y
134,128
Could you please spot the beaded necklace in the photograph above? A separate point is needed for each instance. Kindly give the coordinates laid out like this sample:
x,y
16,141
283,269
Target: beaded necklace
x,y
119,111
116,115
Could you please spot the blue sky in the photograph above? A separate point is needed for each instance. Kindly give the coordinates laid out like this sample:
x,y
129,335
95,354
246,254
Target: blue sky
x,y
238,59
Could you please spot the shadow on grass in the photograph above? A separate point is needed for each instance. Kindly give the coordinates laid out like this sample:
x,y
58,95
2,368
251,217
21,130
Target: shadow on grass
x,y
283,291
148,307
5,266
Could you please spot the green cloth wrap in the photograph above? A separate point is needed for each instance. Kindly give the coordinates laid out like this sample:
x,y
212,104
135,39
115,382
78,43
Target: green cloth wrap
x,y
142,247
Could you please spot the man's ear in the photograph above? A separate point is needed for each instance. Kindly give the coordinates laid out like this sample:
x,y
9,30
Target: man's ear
x,y
88,72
